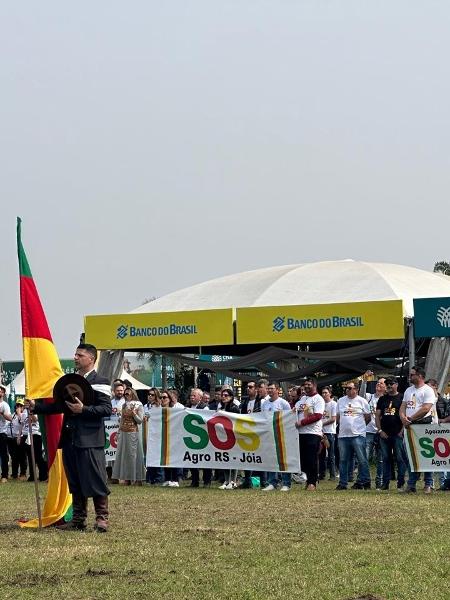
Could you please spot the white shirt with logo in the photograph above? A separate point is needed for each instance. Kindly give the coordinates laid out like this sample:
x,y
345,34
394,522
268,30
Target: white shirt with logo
x,y
24,421
351,413
372,399
328,412
305,407
4,410
117,404
415,397
276,405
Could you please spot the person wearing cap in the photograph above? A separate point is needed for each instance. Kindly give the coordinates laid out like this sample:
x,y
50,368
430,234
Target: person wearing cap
x,y
389,424
5,417
83,440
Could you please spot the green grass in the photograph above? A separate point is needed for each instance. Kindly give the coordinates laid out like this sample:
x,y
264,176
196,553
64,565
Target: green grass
x,y
210,543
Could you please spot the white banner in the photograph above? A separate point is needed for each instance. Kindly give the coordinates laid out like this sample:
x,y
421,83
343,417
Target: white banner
x,y
428,447
111,430
222,440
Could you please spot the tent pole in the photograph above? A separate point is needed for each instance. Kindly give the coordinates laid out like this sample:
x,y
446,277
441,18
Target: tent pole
x,y
411,344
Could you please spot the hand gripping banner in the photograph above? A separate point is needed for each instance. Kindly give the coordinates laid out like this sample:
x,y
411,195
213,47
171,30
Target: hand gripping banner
x,y
222,440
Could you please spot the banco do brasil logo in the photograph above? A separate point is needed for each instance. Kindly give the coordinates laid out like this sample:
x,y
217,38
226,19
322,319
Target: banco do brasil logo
x,y
122,332
443,316
279,324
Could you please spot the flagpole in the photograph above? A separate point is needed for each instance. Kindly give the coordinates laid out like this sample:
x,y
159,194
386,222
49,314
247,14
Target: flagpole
x,y
33,464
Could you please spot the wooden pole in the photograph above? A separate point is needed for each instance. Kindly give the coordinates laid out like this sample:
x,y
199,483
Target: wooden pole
x,y
33,464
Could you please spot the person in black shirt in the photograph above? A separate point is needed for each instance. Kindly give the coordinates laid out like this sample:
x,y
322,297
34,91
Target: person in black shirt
x,y
391,433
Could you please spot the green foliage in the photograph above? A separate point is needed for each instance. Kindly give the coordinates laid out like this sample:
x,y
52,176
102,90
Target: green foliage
x,y
442,267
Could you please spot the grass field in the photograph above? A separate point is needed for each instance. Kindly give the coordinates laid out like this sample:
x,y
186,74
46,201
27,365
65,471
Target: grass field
x,y
211,543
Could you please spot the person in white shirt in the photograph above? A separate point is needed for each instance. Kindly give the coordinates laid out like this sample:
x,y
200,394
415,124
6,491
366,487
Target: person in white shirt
x,y
5,417
372,433
417,406
38,448
16,443
309,411
327,456
272,404
353,414
250,404
172,475
117,402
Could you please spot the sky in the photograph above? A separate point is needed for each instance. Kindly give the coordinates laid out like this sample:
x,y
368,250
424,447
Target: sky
x,y
148,146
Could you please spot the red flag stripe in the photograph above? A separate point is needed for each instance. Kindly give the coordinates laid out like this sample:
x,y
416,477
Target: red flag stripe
x,y
34,323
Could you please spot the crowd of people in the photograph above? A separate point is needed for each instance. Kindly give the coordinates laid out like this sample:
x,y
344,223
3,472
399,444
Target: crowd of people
x,y
341,436
338,437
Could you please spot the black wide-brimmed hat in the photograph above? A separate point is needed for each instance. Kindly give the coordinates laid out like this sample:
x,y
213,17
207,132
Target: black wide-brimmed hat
x,y
73,385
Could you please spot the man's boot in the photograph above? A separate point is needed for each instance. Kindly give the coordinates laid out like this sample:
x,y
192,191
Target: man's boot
x,y
79,517
101,513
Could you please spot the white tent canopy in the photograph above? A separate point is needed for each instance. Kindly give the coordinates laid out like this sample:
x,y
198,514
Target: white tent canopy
x,y
137,385
19,384
327,282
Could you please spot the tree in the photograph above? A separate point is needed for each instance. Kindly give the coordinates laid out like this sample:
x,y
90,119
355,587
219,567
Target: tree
x,y
442,267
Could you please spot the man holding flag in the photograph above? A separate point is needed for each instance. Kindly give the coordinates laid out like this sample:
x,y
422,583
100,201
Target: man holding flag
x,y
42,370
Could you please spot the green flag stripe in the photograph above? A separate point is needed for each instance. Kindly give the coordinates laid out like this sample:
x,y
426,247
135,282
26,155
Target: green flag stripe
x,y
24,267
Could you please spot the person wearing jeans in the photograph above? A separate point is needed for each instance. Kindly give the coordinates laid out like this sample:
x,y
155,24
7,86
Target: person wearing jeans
x,y
348,445
327,456
393,445
390,427
416,408
352,415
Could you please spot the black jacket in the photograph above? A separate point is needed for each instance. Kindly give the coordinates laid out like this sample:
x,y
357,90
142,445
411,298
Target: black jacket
x,y
256,407
85,430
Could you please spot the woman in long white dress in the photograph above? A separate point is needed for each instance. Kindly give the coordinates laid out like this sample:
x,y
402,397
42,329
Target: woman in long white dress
x,y
129,465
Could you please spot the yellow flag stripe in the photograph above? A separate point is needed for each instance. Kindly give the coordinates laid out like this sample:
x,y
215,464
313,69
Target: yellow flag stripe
x,y
42,367
58,498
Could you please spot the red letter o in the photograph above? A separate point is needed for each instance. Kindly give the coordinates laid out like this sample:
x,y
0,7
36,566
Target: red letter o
x,y
228,427
438,443
113,439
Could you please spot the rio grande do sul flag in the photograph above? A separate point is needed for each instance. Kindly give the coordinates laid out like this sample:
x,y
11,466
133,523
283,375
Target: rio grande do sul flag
x,y
265,441
42,369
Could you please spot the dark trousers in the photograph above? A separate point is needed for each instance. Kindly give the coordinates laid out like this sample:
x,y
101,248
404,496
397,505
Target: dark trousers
x,y
207,473
154,475
18,456
248,478
327,458
4,455
309,456
393,446
172,474
41,463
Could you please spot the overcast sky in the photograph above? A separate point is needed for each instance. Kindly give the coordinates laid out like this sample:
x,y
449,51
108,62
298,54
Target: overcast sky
x,y
149,145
